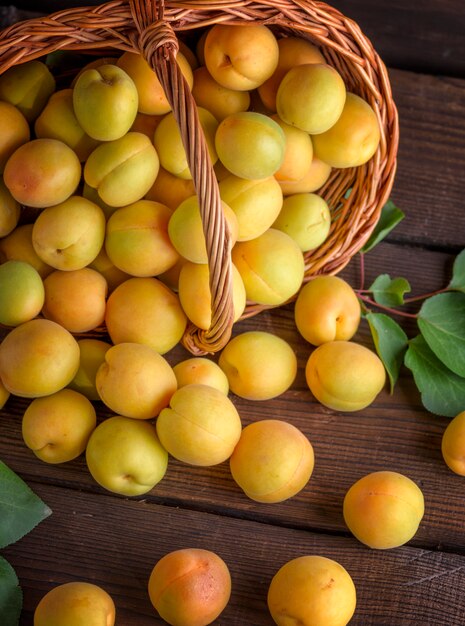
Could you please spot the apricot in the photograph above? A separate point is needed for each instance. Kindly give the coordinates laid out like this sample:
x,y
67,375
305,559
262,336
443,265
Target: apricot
x,y
4,394
383,509
353,139
91,193
190,587
57,428
135,381
91,356
137,239
69,236
10,211
240,57
58,121
151,95
122,170
112,274
312,590
258,365
38,358
105,102
453,444
17,246
201,371
344,375
219,100
256,203
311,97
124,455
306,218
42,173
292,51
74,604
185,229
170,147
271,266
76,299
21,293
272,462
195,296
298,153
27,86
14,131
200,427
170,189
327,309
146,124
144,310
250,145
314,178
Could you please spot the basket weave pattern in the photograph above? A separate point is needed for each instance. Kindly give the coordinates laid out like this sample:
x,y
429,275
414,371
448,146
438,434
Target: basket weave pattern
x,y
152,28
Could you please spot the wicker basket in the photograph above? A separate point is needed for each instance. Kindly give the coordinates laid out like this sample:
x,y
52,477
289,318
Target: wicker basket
x,y
152,28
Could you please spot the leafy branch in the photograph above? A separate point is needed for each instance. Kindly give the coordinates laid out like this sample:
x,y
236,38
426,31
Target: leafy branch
x,y
436,355
20,511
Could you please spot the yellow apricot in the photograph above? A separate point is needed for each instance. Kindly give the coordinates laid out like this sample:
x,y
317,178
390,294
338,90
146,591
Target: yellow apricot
x,y
195,296
112,274
152,97
21,293
74,604
38,358
91,356
170,189
256,203
4,394
453,444
17,246
200,427
10,211
271,266
75,299
190,587
219,100
240,57
144,310
327,309
312,590
14,131
135,381
57,427
185,229
28,86
383,509
315,177
298,152
353,139
311,97
344,375
42,173
201,371
137,239
292,51
272,461
258,364
306,218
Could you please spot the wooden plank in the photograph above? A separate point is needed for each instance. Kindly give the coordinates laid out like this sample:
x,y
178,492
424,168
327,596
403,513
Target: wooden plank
x,y
115,543
396,432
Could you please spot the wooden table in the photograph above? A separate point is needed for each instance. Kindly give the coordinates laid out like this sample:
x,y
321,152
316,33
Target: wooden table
x,y
114,541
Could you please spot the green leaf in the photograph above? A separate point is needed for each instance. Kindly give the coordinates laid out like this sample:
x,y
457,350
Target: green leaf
x,y
11,597
441,320
390,342
20,509
389,291
389,218
442,391
458,273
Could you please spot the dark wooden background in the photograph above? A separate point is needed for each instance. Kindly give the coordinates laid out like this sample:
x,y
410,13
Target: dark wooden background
x,y
114,541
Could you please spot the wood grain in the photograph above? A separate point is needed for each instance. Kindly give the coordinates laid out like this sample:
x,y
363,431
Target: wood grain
x,y
116,543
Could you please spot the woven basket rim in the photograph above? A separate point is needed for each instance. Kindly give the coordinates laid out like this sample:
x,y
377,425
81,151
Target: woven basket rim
x,y
133,25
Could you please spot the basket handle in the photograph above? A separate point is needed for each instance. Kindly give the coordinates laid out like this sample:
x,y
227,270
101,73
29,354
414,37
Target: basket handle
x,y
158,44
